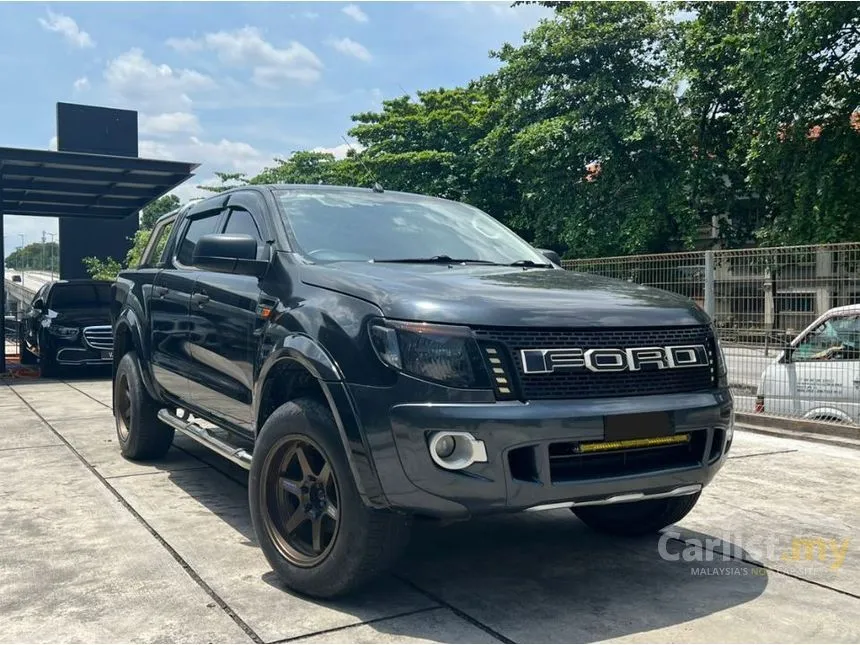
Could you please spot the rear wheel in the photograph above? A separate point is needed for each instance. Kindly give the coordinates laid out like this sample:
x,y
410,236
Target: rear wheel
x,y
309,519
636,518
141,434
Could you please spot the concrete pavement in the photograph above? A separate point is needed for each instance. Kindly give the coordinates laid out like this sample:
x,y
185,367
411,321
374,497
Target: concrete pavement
x,y
100,549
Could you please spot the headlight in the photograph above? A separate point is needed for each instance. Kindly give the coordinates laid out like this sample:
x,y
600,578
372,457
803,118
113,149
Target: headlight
x,y
67,333
443,354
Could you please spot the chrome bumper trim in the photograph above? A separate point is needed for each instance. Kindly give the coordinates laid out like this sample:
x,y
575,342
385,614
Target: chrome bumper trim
x,y
621,499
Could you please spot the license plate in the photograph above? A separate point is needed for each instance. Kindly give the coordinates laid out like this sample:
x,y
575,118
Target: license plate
x,y
618,427
107,354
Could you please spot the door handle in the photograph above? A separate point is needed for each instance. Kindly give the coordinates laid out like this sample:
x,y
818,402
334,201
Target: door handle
x,y
199,299
160,291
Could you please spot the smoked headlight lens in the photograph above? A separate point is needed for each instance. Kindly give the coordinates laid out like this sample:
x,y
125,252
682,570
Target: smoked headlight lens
x,y
68,333
444,354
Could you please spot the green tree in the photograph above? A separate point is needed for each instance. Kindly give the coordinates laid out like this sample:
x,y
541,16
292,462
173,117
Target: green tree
x,y
36,256
586,129
774,102
156,209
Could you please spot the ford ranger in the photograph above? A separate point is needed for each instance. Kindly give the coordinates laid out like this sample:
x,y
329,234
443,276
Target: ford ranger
x,y
372,357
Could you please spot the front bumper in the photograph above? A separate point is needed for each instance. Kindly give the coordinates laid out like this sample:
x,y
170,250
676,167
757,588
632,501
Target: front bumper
x,y
520,472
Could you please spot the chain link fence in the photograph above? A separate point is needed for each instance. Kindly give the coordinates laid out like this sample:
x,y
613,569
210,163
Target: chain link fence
x,y
761,300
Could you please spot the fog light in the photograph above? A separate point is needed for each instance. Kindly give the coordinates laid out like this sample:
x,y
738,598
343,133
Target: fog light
x,y
445,446
456,450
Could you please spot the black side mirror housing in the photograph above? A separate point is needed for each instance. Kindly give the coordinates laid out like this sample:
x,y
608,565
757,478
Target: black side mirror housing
x,y
39,304
228,253
550,255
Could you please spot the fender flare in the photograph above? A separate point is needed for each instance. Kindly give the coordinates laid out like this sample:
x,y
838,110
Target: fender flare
x,y
129,320
306,353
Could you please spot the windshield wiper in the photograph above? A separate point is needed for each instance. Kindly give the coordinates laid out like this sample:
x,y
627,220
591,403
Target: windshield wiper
x,y
436,259
529,263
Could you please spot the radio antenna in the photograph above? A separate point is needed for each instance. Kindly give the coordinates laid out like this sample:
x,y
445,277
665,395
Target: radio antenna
x,y
377,187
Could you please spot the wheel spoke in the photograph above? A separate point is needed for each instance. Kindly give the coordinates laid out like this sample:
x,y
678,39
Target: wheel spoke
x,y
316,531
303,462
325,474
331,511
295,520
292,487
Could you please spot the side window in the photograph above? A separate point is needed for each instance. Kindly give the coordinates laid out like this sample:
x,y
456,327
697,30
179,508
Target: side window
x,y
196,229
153,254
242,222
837,339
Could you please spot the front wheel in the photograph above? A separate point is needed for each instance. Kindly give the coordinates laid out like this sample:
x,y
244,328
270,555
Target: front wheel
x,y
637,518
309,519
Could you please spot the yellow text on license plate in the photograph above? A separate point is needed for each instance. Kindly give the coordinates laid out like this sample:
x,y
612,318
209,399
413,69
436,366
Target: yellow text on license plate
x,y
652,442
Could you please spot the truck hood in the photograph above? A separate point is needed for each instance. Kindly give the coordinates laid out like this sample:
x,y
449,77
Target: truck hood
x,y
504,296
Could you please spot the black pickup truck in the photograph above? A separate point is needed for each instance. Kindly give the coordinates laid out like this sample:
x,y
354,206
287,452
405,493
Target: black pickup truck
x,y
375,356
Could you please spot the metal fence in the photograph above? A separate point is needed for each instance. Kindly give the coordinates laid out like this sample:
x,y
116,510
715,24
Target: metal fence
x,y
760,300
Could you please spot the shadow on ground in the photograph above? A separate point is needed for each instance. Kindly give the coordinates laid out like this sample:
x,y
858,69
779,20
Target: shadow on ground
x,y
540,577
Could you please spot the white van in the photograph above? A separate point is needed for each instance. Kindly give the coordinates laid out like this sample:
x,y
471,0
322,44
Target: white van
x,y
818,375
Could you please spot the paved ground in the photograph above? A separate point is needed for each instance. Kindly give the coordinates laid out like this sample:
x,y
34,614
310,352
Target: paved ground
x,y
98,549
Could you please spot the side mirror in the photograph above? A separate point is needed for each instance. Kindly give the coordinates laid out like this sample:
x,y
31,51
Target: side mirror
x,y
550,255
39,304
228,253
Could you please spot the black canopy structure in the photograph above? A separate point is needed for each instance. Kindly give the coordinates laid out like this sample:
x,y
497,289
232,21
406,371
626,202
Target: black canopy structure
x,y
95,187
71,184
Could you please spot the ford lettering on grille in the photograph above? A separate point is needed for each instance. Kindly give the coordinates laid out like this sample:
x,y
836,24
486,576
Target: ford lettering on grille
x,y
546,361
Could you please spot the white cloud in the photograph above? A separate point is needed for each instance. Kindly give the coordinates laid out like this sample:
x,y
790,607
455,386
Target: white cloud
x,y
169,123
340,151
184,44
350,48
153,88
224,155
307,15
68,28
270,65
355,12
82,84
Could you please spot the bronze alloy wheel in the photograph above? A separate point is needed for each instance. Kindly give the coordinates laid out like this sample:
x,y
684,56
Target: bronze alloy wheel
x,y
123,407
300,501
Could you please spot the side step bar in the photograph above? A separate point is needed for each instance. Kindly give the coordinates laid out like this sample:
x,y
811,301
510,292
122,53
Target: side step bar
x,y
202,436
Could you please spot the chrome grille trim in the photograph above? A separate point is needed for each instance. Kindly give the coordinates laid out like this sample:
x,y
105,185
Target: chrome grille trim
x,y
99,336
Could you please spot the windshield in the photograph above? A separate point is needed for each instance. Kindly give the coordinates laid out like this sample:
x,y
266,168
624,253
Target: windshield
x,y
78,296
337,226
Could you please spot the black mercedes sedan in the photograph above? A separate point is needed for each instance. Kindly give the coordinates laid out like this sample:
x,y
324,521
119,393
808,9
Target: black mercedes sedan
x,y
68,324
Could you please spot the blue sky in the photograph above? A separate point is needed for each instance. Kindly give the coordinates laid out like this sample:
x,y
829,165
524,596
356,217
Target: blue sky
x,y
232,85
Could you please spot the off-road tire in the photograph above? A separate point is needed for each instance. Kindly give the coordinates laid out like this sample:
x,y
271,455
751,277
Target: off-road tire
x,y
636,518
367,541
141,434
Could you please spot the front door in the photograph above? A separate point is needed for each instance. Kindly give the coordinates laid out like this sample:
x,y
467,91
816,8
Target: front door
x,y
226,325
170,304
825,370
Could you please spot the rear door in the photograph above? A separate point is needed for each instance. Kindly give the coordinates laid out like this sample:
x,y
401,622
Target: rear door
x,y
225,323
170,300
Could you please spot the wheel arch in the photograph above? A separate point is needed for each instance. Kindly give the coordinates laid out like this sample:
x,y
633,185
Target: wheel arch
x,y
301,367
127,337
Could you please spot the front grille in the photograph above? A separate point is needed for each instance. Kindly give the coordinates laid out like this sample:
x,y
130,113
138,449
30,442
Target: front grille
x,y
100,337
566,465
579,383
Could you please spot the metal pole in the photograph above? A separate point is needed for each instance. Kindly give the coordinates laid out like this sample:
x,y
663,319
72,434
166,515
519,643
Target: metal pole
x,y
710,302
23,262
